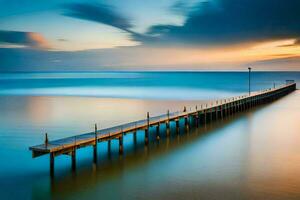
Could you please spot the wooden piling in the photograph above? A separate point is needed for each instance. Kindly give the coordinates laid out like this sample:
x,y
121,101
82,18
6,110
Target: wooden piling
x,y
121,144
146,136
157,132
147,129
95,147
52,164
109,146
177,126
168,123
186,122
73,155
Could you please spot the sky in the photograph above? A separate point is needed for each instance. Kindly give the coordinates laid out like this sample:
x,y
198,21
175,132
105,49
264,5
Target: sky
x,y
81,35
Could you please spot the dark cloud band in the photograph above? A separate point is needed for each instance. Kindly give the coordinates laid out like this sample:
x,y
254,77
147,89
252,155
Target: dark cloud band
x,y
98,13
27,39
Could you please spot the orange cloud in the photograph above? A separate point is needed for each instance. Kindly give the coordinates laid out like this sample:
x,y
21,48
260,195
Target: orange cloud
x,y
38,40
13,39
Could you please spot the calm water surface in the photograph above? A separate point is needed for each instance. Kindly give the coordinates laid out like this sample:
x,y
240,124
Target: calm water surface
x,y
252,155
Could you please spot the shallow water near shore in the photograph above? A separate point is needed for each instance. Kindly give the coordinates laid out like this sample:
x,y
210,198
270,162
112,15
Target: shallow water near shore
x,y
251,155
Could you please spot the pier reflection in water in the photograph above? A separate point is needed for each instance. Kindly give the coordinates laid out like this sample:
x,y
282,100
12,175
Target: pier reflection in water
x,y
251,155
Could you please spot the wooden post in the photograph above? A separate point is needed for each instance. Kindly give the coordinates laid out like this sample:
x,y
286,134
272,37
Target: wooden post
x,y
109,146
121,144
157,132
148,119
168,123
235,106
147,129
225,107
134,137
52,164
177,126
95,146
46,140
146,136
221,108
73,154
187,123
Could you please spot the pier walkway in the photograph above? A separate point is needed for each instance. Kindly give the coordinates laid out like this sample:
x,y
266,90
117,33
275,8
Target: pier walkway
x,y
201,115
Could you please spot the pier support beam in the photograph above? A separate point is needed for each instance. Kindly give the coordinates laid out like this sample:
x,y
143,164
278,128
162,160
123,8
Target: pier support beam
x,y
168,123
186,123
134,137
52,164
95,146
121,144
73,155
95,153
227,109
109,146
157,132
221,111
168,128
146,136
177,126
147,130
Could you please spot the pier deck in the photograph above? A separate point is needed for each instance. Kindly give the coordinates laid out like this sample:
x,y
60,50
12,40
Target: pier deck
x,y
201,115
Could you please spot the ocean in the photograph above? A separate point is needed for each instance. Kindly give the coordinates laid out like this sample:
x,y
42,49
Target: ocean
x,y
251,155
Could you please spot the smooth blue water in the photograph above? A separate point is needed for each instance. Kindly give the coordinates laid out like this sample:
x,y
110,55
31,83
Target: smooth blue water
x,y
250,156
144,85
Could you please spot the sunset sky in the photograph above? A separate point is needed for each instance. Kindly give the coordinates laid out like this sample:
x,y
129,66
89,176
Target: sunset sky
x,y
78,35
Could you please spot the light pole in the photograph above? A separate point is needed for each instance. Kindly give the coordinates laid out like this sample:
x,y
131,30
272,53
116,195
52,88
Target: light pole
x,y
249,68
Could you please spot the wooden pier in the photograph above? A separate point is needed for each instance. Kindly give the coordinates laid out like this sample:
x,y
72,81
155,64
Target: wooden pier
x,y
201,115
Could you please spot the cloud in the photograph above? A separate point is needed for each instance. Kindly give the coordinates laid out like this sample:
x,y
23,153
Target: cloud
x,y
100,13
27,39
234,21
295,43
208,23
